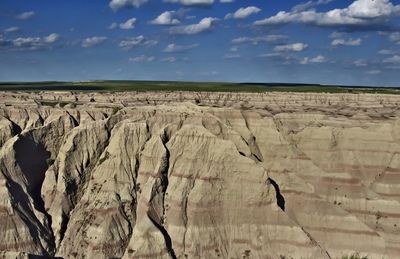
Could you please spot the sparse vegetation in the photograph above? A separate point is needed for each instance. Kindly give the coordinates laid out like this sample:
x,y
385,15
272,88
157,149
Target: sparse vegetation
x,y
104,158
354,256
143,86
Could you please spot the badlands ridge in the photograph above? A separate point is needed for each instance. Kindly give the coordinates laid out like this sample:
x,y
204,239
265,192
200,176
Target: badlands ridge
x,y
199,175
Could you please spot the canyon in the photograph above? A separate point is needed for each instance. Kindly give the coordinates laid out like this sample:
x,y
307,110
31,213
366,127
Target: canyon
x,y
199,175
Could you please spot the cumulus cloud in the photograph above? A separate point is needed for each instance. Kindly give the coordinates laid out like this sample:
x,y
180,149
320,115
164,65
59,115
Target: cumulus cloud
x,y
191,2
256,40
343,42
295,47
317,59
128,25
243,13
118,4
179,48
93,41
142,58
205,24
12,29
52,38
167,18
29,43
133,42
359,13
25,15
392,60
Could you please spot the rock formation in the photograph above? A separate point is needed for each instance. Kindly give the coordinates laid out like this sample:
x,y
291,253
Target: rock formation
x,y
199,175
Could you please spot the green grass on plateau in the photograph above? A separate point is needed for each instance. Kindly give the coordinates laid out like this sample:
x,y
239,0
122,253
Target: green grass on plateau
x,y
143,86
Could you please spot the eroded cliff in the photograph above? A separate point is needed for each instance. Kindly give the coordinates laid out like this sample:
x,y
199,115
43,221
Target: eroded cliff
x,y
183,175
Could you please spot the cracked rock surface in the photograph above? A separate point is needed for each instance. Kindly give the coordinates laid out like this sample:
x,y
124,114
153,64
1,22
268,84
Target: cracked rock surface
x,y
199,175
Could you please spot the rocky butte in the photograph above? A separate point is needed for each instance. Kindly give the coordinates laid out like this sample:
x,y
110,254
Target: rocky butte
x,y
199,175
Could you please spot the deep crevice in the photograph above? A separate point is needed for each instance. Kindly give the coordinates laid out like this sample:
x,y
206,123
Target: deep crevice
x,y
32,159
167,238
157,220
76,190
280,200
125,215
35,228
15,128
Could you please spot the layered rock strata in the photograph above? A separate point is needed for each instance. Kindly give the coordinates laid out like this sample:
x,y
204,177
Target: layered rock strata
x,y
199,175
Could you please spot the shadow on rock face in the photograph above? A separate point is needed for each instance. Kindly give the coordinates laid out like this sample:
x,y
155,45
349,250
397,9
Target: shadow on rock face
x,y
33,160
279,197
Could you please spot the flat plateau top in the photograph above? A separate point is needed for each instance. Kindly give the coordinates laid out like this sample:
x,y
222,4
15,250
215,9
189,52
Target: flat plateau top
x,y
163,86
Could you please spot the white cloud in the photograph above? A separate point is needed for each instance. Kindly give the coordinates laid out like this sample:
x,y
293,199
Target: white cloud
x,y
142,58
128,25
296,47
191,2
29,43
12,29
395,37
118,4
231,56
386,52
243,13
93,41
25,15
343,42
256,40
371,9
359,13
234,49
166,18
374,72
113,26
317,59
336,34
360,63
179,48
309,4
393,60
52,38
133,42
270,55
204,25
169,59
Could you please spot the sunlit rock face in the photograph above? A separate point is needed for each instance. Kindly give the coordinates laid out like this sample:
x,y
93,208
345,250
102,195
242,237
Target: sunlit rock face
x,y
199,175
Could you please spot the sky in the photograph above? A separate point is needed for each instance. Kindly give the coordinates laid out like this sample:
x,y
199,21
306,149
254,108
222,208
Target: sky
x,y
294,41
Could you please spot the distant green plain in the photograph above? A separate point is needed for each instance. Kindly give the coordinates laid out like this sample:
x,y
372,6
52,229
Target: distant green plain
x,y
145,86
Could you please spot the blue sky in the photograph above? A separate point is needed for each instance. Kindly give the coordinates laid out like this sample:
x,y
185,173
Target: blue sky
x,y
317,41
